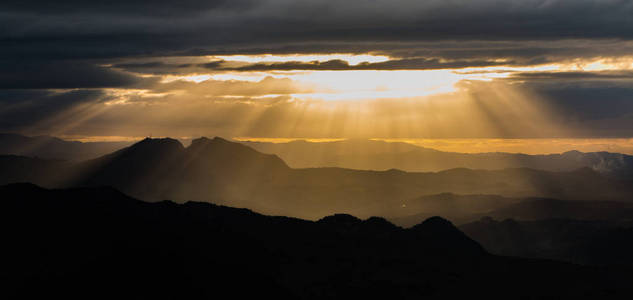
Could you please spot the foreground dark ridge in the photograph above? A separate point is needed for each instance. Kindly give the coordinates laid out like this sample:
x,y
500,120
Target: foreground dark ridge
x,y
595,242
219,171
100,244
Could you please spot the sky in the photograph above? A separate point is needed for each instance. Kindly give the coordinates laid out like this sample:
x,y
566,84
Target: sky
x,y
386,69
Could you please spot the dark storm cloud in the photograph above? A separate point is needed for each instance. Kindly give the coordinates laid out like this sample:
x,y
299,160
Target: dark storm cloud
x,y
423,34
340,65
133,7
63,45
161,68
593,107
414,56
586,97
519,52
123,28
606,75
61,75
158,67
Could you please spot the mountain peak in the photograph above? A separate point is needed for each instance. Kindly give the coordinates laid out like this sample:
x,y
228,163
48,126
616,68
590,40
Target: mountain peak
x,y
218,145
438,222
379,223
573,152
152,147
158,142
436,225
232,157
439,229
345,219
204,141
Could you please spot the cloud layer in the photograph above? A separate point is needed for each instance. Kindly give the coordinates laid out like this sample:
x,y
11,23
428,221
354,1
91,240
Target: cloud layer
x,y
134,67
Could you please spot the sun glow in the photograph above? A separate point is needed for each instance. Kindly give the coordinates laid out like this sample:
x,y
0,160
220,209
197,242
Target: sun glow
x,y
354,85
366,85
193,78
327,105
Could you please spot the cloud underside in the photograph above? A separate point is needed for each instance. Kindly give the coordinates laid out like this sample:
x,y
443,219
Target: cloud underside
x,y
71,29
78,67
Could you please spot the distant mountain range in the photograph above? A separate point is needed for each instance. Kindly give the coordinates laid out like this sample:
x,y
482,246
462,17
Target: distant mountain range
x,y
48,147
379,155
219,171
351,154
98,243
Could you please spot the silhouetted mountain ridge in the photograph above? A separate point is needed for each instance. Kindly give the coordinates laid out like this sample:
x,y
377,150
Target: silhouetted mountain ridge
x,y
162,168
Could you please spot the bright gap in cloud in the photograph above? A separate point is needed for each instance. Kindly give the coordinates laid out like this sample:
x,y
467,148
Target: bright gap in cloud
x,y
350,85
364,85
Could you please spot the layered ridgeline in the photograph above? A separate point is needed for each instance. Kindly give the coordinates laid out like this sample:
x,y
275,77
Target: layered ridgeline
x,y
379,155
224,172
98,243
48,147
351,154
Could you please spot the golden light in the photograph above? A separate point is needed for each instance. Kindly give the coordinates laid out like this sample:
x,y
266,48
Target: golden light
x,y
527,146
193,78
357,85
287,140
366,85
101,138
123,96
320,105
